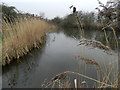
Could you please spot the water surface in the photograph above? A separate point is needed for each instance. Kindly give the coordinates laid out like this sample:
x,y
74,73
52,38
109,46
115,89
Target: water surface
x,y
58,55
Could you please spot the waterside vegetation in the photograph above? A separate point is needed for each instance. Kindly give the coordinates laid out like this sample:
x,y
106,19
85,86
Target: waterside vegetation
x,y
21,34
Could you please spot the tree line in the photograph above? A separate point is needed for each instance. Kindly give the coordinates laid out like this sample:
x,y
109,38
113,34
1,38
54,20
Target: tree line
x,y
108,15
9,13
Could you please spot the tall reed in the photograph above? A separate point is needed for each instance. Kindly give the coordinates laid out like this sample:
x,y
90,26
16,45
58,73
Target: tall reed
x,y
20,36
104,80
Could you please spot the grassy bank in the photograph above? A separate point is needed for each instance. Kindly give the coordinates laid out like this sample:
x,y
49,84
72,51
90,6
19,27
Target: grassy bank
x,y
20,36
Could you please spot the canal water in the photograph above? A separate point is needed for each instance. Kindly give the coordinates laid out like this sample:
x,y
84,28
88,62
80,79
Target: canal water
x,y
58,55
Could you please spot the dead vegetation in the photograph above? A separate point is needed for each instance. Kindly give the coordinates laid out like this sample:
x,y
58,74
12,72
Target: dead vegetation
x,y
21,36
88,61
56,80
96,44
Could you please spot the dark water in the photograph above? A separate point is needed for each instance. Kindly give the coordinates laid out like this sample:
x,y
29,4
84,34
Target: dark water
x,y
58,55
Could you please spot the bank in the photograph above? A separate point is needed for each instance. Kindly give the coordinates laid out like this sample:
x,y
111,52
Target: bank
x,y
21,36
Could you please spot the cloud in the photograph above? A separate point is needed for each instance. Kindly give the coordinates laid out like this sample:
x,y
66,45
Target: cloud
x,y
33,1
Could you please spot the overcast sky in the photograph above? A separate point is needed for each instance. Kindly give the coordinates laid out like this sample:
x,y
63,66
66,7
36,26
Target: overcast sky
x,y
53,8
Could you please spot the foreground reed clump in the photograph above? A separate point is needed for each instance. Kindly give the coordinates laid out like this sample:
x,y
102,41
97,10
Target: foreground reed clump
x,y
61,76
20,36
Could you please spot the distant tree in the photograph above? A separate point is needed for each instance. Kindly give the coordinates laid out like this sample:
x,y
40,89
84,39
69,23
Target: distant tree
x,y
69,21
110,12
87,18
42,15
57,20
9,12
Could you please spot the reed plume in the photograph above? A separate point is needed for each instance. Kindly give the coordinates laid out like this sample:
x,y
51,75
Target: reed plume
x,y
95,44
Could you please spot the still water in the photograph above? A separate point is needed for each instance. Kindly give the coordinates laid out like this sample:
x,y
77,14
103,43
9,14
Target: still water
x,y
57,55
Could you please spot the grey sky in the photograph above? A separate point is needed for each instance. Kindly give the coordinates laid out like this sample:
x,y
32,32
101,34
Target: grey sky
x,y
53,8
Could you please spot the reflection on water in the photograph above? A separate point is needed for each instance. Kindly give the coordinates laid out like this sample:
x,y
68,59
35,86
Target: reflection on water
x,y
94,35
56,56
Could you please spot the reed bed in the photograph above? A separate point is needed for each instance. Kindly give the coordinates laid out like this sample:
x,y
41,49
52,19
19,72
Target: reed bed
x,y
20,36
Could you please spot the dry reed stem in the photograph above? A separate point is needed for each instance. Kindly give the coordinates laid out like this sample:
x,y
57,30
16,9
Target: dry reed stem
x,y
93,62
106,77
54,79
114,33
21,36
67,84
80,26
57,77
106,38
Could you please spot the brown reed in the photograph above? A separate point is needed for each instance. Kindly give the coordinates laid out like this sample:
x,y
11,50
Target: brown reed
x,y
21,36
88,61
60,76
57,77
96,44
